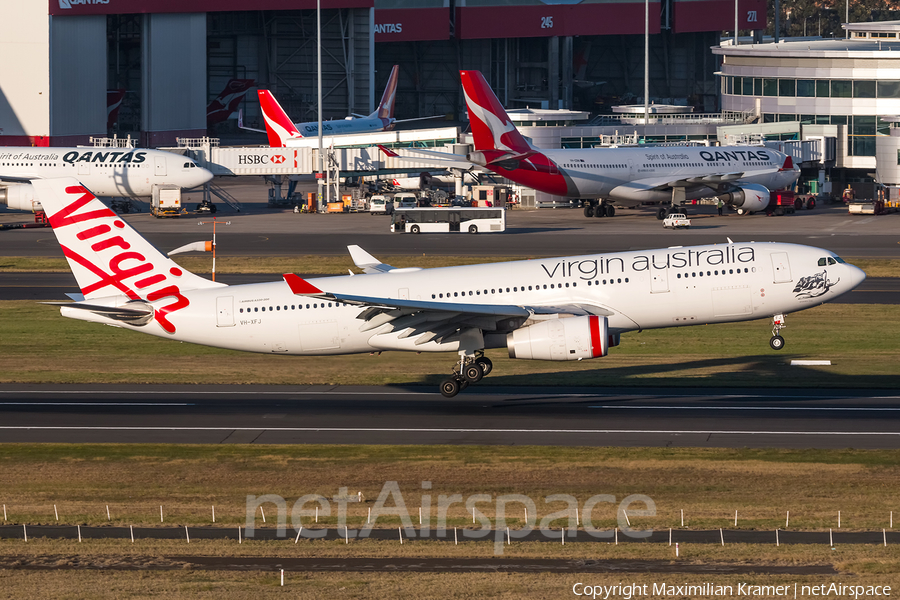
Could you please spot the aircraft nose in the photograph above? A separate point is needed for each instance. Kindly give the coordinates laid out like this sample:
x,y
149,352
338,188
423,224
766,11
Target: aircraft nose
x,y
856,276
203,176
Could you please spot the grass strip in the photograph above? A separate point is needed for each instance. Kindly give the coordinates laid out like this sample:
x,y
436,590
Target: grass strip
x,y
40,346
709,485
338,265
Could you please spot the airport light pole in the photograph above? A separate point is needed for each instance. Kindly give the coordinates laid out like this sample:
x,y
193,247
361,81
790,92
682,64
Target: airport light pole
x,y
646,66
321,161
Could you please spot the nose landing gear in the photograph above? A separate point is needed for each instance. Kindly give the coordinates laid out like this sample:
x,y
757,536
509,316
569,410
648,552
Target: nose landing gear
x,y
469,369
777,342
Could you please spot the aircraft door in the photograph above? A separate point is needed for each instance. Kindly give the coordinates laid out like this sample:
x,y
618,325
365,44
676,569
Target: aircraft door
x,y
781,267
160,166
659,281
225,311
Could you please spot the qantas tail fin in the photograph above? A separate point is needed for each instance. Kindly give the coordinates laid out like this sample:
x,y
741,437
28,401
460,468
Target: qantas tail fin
x,y
108,257
385,108
491,126
278,125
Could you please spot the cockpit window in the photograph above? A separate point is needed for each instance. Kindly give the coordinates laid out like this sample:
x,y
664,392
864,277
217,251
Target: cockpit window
x,y
839,259
831,261
822,262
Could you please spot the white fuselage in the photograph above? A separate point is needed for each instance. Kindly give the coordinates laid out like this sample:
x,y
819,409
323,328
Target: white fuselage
x,y
637,290
342,127
634,175
105,171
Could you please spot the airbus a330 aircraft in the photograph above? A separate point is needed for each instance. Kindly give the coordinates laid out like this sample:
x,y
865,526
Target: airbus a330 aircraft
x,y
740,175
549,309
130,172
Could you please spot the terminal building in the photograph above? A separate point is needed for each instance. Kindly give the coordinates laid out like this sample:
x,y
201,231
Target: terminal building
x,y
172,58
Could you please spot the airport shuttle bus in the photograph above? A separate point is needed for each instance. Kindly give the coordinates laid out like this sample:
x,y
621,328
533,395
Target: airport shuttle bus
x,y
444,220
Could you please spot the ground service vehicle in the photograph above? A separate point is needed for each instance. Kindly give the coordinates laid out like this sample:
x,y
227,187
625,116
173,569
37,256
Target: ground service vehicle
x,y
444,220
380,205
676,221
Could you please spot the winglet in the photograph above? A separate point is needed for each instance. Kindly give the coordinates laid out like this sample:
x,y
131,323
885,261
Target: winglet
x,y
788,164
299,286
367,262
388,151
278,125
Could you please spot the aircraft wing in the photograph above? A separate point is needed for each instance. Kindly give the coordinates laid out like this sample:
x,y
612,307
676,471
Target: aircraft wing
x,y
712,180
19,179
437,320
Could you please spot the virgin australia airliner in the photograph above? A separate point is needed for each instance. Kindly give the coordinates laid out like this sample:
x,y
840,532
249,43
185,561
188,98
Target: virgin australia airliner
x,y
557,309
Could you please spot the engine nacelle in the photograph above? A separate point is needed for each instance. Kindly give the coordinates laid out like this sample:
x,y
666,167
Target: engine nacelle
x,y
750,197
571,338
19,196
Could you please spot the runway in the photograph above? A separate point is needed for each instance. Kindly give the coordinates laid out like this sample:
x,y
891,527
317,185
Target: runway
x,y
628,417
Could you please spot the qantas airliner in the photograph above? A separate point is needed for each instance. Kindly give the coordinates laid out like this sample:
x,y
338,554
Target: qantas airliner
x,y
549,309
740,175
130,172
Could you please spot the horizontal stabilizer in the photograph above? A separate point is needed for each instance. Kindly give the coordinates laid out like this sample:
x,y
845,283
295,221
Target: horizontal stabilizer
x,y
136,313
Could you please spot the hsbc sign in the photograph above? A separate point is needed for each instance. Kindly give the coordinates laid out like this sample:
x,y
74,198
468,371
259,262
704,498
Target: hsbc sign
x,y
260,159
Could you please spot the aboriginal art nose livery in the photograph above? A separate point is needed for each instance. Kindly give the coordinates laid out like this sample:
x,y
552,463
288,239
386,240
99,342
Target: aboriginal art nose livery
x,y
741,175
560,309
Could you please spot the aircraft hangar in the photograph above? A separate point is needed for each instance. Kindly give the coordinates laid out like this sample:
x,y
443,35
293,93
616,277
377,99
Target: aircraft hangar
x,y
172,57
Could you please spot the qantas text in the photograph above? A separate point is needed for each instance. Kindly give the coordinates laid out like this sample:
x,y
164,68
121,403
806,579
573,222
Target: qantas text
x,y
104,157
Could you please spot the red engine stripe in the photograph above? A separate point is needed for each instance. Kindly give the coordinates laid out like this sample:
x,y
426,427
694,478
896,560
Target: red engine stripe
x,y
596,342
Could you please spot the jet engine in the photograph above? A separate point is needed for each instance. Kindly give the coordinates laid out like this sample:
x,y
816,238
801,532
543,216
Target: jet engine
x,y
571,338
750,197
19,196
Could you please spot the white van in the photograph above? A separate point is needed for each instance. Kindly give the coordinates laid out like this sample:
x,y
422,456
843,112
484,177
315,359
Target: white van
x,y
380,205
405,200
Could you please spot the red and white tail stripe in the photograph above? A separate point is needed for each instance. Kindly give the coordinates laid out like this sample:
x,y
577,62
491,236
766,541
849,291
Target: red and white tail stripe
x,y
278,124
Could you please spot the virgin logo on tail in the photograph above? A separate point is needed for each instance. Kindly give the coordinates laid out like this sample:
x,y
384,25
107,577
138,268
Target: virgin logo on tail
x,y
278,125
491,126
127,271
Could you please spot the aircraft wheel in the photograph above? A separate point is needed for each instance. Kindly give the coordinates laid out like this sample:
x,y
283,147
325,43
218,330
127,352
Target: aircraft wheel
x,y
473,372
777,342
473,229
661,214
486,365
449,388
589,210
414,229
610,210
599,211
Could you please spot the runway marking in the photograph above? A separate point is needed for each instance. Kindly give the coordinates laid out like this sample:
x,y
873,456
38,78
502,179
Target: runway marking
x,y
446,430
96,404
809,408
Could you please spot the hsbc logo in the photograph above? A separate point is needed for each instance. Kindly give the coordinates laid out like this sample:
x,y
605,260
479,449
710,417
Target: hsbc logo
x,y
389,28
64,4
278,159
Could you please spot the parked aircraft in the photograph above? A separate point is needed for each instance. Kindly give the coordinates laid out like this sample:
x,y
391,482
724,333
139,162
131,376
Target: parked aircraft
x,y
130,172
546,309
740,175
282,131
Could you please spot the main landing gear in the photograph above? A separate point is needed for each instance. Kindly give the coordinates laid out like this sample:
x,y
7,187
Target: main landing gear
x,y
469,369
593,209
777,342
